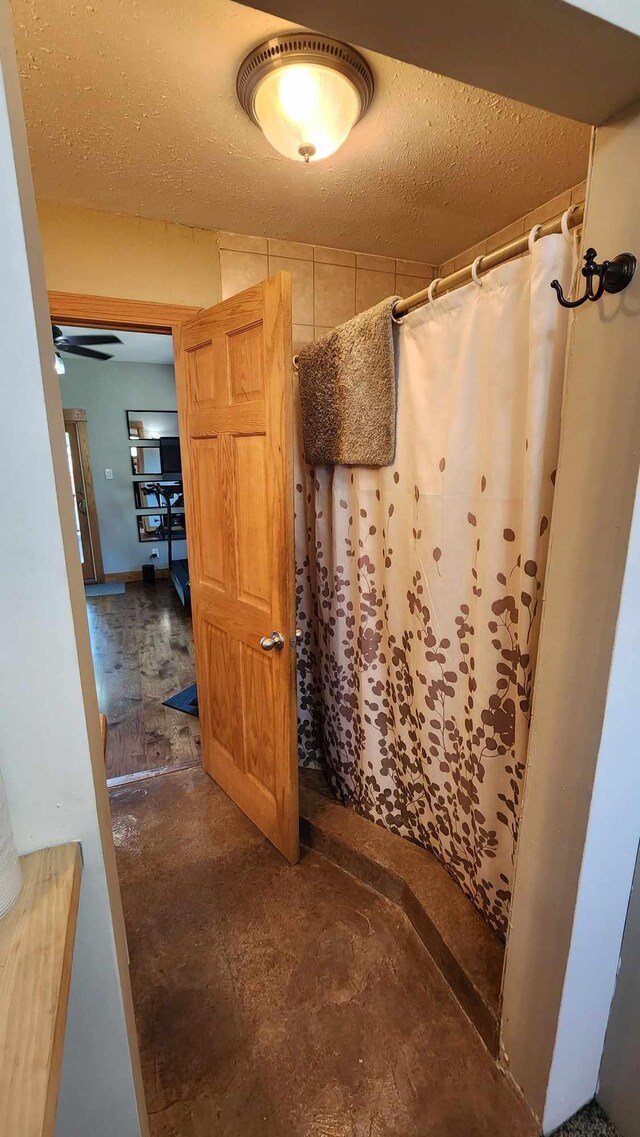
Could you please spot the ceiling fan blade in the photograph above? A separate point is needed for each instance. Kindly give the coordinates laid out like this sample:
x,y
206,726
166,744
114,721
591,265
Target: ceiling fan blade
x,y
86,352
84,341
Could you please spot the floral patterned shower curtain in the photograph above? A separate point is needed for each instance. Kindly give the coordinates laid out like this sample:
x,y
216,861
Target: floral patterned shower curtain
x,y
420,585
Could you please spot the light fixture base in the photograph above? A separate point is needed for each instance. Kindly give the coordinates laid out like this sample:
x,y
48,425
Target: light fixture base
x,y
302,47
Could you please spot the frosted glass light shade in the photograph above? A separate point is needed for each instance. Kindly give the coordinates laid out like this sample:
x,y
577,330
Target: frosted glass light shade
x,y
306,111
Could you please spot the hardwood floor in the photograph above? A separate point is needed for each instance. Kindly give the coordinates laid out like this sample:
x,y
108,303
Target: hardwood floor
x,y
142,646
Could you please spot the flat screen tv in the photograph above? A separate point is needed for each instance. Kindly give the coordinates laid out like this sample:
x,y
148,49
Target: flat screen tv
x,y
170,461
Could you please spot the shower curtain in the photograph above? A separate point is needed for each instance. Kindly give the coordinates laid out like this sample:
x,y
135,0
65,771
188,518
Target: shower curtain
x,y
419,585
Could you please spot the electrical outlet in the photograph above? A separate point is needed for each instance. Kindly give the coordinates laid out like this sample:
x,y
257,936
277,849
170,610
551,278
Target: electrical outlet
x,y
155,553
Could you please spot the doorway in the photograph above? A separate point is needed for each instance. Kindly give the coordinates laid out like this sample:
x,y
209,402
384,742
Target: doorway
x,y
84,502
123,449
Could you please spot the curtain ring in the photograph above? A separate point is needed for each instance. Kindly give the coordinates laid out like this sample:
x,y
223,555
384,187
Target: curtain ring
x,y
474,271
295,362
432,287
533,235
564,224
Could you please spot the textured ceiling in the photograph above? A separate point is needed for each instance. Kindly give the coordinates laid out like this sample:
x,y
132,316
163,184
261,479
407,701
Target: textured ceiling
x,y
131,108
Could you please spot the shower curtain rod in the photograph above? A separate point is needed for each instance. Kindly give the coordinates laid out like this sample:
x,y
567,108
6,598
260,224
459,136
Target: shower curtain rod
x,y
490,260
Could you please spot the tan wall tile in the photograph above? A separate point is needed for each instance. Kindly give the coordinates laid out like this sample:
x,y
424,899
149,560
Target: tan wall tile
x,y
301,285
241,243
335,294
503,236
415,268
549,210
241,270
371,287
469,255
320,332
300,335
407,285
539,216
334,256
293,249
376,264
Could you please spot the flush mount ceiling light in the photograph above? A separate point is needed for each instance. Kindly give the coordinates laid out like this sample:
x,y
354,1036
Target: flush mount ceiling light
x,y
305,92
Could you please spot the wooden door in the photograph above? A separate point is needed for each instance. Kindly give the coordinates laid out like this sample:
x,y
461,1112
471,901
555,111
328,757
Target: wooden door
x,y
234,379
86,515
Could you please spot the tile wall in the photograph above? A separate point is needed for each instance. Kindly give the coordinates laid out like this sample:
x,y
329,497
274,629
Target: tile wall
x,y
329,285
332,285
539,216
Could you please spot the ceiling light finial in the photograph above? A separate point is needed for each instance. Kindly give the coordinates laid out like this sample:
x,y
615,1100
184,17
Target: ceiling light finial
x,y
305,92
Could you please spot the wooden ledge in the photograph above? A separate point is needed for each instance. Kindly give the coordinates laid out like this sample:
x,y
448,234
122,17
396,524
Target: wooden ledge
x,y
36,952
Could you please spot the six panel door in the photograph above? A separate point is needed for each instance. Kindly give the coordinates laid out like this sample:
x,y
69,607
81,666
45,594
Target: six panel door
x,y
233,370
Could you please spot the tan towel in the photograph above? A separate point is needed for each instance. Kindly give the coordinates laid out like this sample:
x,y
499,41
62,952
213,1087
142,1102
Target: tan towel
x,y
348,392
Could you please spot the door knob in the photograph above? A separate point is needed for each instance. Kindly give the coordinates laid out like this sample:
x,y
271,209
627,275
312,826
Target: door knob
x,y
275,640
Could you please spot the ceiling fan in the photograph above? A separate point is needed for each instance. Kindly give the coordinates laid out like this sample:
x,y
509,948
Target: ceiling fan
x,y
79,345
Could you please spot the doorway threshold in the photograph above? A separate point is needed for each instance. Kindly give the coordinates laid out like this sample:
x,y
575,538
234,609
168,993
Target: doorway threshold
x,y
143,775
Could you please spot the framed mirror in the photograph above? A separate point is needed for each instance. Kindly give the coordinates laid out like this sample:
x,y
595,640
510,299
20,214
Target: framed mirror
x,y
149,495
152,424
154,527
145,460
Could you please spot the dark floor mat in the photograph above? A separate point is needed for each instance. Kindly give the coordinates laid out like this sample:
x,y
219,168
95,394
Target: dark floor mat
x,y
186,701
591,1121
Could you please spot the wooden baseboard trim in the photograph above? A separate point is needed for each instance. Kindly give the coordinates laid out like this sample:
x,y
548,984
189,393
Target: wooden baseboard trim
x,y
131,577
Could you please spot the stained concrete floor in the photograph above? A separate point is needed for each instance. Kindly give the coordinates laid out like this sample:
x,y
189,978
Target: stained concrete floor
x,y
285,1002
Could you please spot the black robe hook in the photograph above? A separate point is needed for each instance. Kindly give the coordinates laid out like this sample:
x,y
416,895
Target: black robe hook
x,y
612,276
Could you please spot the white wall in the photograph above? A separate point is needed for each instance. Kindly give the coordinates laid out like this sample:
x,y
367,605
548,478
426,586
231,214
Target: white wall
x,y
606,874
49,730
619,1091
580,823
106,391
624,13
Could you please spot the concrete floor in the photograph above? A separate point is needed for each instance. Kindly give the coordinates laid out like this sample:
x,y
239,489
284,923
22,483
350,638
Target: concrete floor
x,y
285,1002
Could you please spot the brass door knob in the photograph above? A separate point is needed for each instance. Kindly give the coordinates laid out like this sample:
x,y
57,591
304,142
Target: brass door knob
x,y
275,640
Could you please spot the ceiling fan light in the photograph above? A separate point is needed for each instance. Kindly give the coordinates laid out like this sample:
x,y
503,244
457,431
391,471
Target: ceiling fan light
x,y
59,362
306,92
